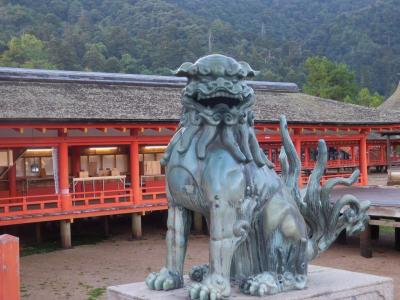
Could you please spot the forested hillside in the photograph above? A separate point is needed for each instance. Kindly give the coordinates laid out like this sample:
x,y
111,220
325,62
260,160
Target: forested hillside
x,y
143,36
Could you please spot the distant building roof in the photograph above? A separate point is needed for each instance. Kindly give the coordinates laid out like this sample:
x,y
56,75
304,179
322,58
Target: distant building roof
x,y
43,95
19,74
392,104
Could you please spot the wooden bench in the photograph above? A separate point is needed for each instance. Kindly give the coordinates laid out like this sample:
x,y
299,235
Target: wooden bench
x,y
380,216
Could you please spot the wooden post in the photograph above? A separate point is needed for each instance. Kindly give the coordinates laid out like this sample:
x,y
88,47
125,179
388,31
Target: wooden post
x,y
198,222
365,242
63,176
65,231
106,226
297,145
9,268
136,226
76,161
270,154
363,160
353,156
134,169
374,232
12,180
38,231
388,155
342,237
382,152
307,156
397,238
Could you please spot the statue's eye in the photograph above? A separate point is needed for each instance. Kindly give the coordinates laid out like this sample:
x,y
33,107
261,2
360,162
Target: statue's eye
x,y
235,80
204,80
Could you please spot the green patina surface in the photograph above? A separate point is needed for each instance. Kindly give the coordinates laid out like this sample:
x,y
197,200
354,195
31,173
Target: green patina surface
x,y
264,230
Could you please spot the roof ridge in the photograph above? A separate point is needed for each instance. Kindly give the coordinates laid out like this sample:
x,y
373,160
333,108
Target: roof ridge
x,y
393,102
41,75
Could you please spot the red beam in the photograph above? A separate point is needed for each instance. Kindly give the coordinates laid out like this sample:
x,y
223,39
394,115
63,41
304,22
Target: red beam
x,y
173,125
81,140
81,214
88,125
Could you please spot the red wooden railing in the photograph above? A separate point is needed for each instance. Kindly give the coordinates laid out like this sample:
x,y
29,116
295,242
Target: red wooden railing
x,y
149,196
102,199
26,205
325,178
21,205
154,194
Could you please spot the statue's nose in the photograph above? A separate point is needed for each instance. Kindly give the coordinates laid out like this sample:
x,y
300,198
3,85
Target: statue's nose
x,y
222,82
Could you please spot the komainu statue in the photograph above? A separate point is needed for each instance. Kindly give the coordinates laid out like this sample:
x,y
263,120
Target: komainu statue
x,y
264,230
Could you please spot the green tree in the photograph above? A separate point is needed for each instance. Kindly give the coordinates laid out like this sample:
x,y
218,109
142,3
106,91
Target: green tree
x,y
94,58
364,97
26,51
75,10
162,34
327,79
112,65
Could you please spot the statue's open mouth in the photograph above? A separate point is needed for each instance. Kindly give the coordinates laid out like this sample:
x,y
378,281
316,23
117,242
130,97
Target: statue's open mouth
x,y
219,97
216,100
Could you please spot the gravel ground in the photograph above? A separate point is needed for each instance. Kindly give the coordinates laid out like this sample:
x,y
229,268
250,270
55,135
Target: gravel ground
x,y
377,179
85,271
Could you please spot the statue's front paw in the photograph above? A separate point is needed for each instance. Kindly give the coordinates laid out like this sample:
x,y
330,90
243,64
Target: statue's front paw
x,y
198,273
164,280
260,285
213,287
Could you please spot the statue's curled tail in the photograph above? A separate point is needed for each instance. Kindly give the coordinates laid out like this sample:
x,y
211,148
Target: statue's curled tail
x,y
325,219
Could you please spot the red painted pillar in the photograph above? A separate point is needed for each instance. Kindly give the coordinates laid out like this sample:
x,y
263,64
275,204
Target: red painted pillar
x,y
63,175
134,169
306,156
270,154
12,180
9,268
382,152
297,145
76,165
363,159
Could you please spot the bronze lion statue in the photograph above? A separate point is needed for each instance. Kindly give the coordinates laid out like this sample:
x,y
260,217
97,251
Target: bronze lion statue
x,y
263,230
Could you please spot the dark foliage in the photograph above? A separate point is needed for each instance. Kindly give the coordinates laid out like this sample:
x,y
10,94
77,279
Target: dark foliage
x,y
139,36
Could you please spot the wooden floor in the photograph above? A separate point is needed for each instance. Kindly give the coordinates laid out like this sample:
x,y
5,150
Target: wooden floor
x,y
377,195
384,211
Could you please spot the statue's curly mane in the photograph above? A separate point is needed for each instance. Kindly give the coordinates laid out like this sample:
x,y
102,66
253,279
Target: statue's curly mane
x,y
233,126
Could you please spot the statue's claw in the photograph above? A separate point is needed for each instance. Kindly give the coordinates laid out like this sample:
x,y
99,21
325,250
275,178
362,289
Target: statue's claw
x,y
268,283
260,285
164,280
213,287
197,273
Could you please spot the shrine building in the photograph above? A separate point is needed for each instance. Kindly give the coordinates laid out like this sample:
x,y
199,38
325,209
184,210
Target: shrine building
x,y
84,144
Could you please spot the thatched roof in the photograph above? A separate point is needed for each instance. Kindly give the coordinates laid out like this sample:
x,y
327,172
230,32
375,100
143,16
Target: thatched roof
x,y
392,104
41,95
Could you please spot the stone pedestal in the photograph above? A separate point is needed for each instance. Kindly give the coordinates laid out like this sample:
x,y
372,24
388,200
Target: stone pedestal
x,y
324,284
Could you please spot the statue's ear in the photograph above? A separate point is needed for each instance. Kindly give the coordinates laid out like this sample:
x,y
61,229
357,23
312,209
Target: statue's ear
x,y
246,70
187,69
